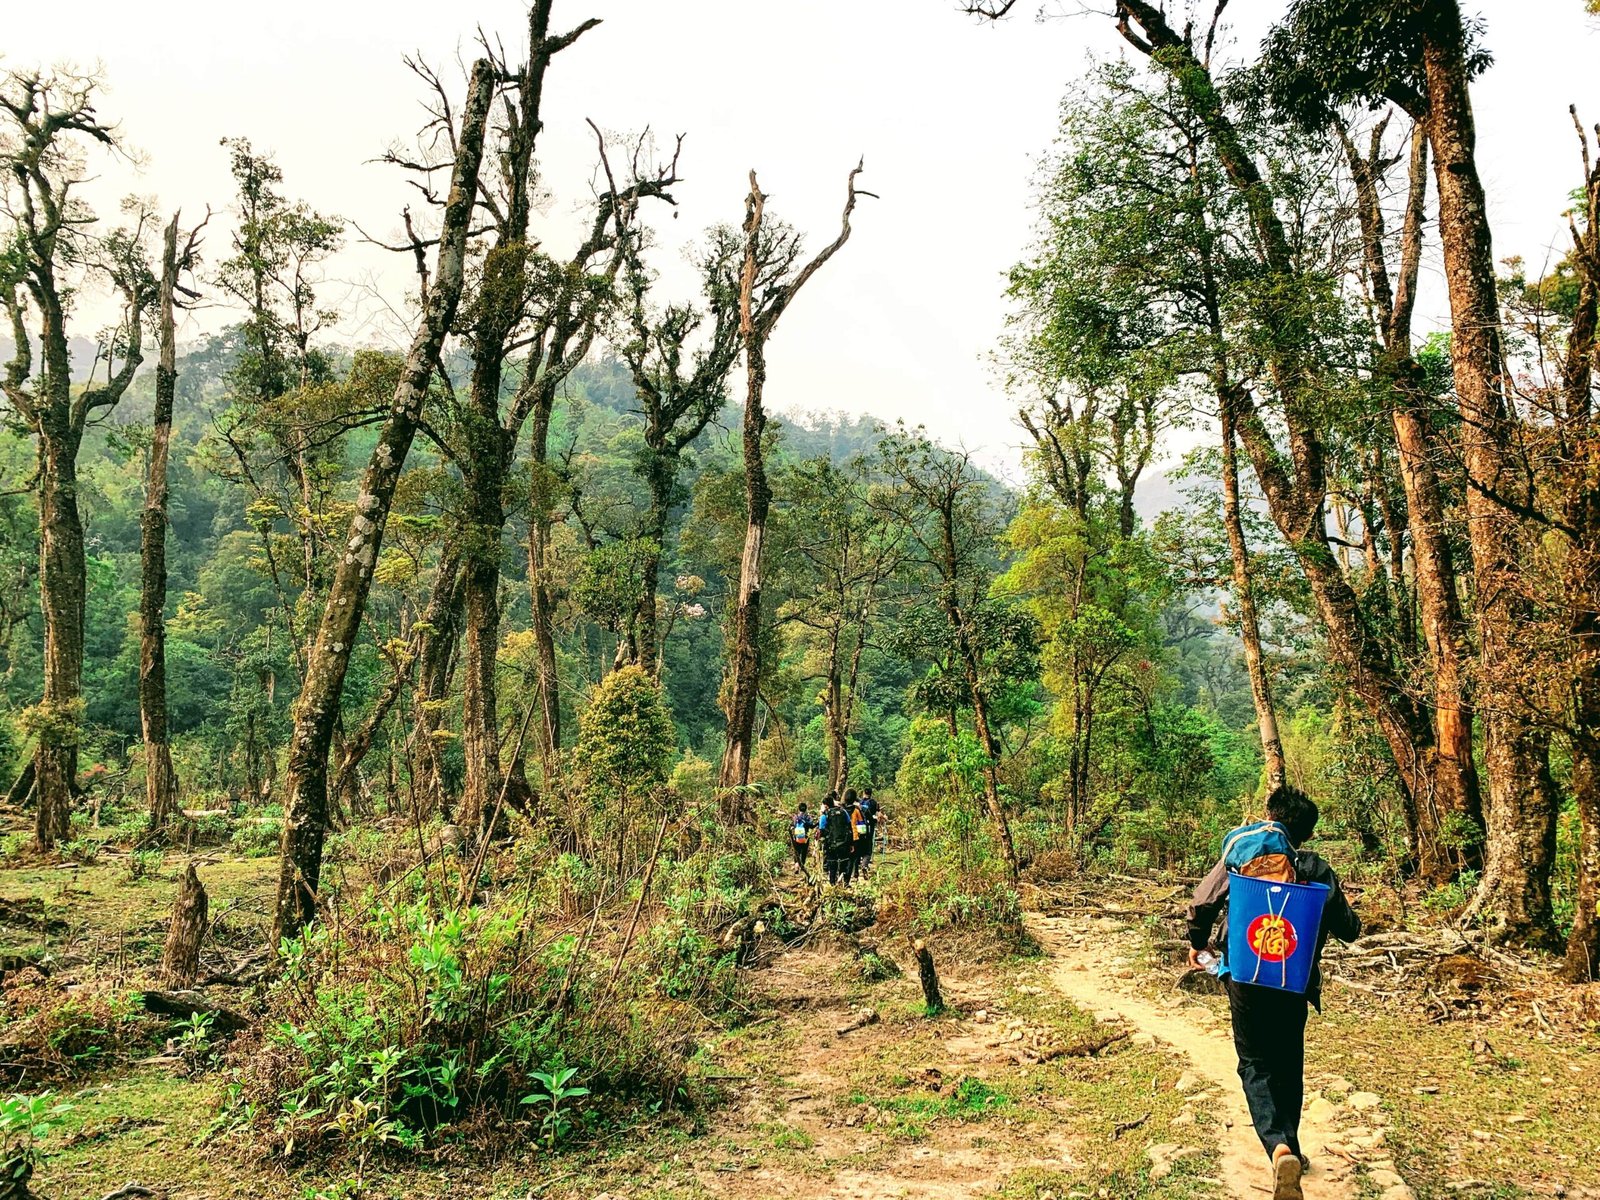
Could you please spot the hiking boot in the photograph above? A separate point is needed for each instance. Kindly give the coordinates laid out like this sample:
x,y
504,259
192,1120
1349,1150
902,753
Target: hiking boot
x,y
1286,1171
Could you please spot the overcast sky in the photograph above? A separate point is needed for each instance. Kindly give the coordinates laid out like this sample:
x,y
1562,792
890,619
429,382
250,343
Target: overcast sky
x,y
950,116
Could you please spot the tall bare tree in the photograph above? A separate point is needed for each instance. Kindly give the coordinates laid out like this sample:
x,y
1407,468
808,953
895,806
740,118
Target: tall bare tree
x,y
766,289
161,784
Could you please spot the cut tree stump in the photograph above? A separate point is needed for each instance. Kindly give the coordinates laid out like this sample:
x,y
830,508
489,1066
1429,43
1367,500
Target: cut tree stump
x,y
180,964
929,977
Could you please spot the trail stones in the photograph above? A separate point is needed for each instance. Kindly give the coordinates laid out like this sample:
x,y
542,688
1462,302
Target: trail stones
x,y
1187,1082
1361,1101
1163,1157
1320,1111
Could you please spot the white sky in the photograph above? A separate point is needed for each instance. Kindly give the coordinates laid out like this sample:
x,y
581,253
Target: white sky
x,y
951,117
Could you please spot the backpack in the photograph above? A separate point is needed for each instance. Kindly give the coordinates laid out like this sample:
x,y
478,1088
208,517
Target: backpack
x,y
802,831
858,822
836,837
1261,850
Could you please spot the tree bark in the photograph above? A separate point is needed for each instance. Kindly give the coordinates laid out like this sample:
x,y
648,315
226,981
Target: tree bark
x,y
542,592
435,661
180,962
1451,790
305,822
62,588
1514,897
745,667
928,977
758,316
1581,510
161,785
480,725
1244,597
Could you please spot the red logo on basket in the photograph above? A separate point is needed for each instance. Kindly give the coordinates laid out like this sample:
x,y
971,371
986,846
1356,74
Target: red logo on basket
x,y
1272,938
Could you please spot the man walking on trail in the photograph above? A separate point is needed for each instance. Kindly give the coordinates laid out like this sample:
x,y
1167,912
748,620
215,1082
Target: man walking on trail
x,y
801,828
1269,1025
836,842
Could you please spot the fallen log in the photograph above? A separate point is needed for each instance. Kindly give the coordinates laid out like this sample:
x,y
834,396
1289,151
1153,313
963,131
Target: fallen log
x,y
859,1021
1086,1047
187,1002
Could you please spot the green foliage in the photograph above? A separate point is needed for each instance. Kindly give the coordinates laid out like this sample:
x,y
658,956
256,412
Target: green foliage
x,y
408,1021
553,1092
25,1120
625,737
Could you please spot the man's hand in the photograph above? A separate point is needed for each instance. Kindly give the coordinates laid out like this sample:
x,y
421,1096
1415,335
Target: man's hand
x,y
1194,959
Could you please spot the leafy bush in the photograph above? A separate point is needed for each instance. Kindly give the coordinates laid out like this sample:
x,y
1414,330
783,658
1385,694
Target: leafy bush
x,y
409,1021
24,1122
258,836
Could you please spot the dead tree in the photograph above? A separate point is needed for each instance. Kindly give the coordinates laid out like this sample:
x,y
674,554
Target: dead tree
x,y
766,289
305,823
161,784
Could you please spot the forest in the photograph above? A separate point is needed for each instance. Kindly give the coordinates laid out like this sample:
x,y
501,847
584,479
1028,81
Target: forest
x,y
404,746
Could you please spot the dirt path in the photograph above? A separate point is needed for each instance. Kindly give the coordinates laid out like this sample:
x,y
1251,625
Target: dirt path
x,y
1092,958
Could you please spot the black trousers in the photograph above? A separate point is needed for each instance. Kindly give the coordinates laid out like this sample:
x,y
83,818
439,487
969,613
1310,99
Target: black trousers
x,y
837,864
801,851
1269,1033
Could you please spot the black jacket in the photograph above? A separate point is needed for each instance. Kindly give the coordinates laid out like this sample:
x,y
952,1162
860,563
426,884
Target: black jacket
x,y
1338,919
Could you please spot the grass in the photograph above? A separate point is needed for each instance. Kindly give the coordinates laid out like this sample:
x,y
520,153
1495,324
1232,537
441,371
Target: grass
x,y
1535,1099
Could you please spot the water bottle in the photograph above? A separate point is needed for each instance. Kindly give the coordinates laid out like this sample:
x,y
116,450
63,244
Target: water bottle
x,y
1211,962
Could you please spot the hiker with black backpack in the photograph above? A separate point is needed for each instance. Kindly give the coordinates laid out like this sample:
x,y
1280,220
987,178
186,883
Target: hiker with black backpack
x,y
869,817
1285,903
836,842
801,827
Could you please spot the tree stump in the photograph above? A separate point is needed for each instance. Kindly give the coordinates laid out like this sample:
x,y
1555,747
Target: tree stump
x,y
929,977
181,963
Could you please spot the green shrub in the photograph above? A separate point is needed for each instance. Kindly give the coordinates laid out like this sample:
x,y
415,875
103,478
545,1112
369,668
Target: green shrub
x,y
409,1021
24,1122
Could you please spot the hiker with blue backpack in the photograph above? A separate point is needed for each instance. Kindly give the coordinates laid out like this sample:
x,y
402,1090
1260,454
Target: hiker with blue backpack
x,y
1278,906
801,827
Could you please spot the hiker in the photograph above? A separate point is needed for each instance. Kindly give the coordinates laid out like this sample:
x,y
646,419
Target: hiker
x,y
836,842
856,822
880,827
869,816
800,830
1269,1017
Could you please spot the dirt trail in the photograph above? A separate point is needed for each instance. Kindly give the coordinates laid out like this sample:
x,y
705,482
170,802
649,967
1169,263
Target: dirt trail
x,y
1091,959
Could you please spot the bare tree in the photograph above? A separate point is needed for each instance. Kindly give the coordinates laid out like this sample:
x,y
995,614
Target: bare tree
x,y
766,289
161,784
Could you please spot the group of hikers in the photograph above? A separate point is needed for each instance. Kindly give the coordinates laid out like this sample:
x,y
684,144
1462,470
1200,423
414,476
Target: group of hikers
x,y
848,829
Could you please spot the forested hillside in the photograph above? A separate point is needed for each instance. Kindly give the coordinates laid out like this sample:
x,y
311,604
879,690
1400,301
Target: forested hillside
x,y
407,740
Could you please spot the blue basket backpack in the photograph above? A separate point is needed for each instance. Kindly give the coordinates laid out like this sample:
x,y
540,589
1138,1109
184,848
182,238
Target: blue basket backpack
x,y
1274,920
